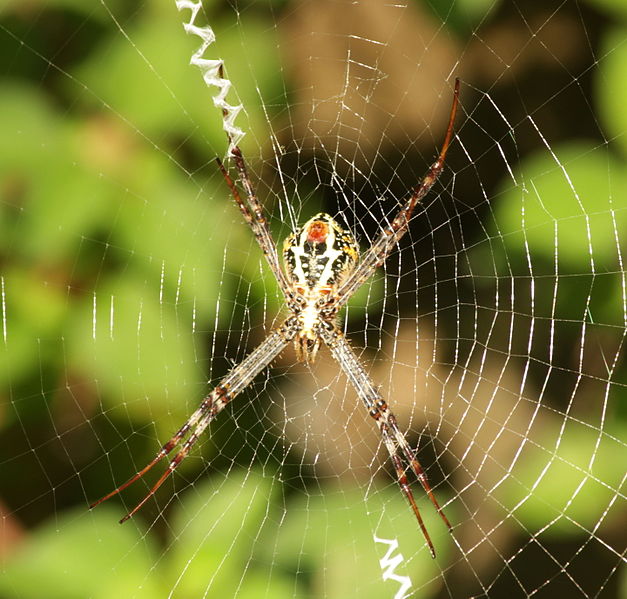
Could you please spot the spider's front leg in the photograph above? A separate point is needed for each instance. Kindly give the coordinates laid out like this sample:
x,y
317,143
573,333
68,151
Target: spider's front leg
x,y
387,240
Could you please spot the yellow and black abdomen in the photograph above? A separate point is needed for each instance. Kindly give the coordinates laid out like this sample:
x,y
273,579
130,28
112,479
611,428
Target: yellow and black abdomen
x,y
319,255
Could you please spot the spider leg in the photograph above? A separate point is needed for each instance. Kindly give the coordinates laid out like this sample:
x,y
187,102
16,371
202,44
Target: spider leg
x,y
209,415
255,219
393,438
252,209
212,404
389,237
231,385
164,451
404,484
410,456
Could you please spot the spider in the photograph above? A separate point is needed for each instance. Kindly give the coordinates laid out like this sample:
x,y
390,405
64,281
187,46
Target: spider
x,y
322,270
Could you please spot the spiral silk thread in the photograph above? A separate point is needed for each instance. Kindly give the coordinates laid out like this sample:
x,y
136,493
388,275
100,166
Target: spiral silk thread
x,y
389,563
212,71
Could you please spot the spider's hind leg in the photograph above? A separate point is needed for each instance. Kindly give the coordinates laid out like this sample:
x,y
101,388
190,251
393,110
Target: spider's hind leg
x,y
208,406
411,458
393,438
238,378
404,483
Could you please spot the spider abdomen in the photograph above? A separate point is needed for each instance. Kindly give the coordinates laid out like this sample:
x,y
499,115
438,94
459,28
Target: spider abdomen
x,y
317,257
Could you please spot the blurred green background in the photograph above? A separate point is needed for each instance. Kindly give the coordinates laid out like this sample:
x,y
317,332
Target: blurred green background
x,y
128,280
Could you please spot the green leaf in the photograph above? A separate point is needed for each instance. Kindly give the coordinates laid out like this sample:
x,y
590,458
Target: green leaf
x,y
178,234
611,83
571,206
567,481
615,8
27,294
82,554
138,349
216,529
151,82
331,536
54,199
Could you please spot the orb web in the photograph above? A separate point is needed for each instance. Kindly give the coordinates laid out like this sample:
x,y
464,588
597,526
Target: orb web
x,y
130,285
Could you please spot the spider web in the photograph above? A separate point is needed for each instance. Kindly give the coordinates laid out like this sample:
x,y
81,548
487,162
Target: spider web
x,y
130,285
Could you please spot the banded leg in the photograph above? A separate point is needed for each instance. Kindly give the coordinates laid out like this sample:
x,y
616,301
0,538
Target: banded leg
x,y
231,385
256,219
403,482
393,438
387,239
253,210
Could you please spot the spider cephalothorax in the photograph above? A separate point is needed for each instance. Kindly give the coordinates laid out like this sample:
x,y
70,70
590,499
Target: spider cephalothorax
x,y
317,256
321,273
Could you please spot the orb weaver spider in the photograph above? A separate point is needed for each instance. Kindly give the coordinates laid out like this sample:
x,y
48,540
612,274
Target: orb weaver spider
x,y
322,270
